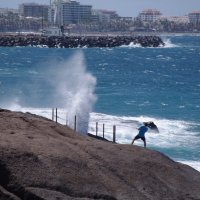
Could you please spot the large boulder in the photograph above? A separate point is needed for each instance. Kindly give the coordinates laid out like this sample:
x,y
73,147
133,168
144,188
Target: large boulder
x,y
42,160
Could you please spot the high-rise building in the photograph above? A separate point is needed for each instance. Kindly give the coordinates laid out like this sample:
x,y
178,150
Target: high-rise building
x,y
149,15
34,10
194,17
70,12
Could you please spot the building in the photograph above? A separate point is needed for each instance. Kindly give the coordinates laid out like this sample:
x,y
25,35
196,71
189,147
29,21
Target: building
x,y
52,31
176,19
194,17
34,10
6,11
149,15
104,15
70,12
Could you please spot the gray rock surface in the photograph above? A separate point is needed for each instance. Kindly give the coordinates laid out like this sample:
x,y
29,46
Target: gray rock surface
x,y
42,160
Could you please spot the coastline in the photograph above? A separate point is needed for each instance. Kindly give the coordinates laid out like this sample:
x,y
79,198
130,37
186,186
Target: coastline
x,y
40,158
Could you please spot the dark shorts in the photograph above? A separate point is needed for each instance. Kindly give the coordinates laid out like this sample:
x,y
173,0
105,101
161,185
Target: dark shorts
x,y
139,137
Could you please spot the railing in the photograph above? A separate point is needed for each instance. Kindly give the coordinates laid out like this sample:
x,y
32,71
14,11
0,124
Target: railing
x,y
55,118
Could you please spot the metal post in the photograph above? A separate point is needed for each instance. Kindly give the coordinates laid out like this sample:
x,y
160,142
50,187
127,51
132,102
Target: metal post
x,y
56,115
52,114
96,128
114,134
75,123
103,130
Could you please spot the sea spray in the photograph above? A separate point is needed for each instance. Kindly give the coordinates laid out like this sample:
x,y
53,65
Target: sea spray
x,y
74,90
58,82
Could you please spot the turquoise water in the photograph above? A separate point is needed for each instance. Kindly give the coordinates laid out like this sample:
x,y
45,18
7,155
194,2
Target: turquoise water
x,y
133,85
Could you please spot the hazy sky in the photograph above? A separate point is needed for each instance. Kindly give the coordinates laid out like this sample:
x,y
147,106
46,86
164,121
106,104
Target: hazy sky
x,y
127,7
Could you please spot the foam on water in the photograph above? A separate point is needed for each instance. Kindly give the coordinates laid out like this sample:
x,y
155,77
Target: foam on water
x,y
168,43
173,133
132,45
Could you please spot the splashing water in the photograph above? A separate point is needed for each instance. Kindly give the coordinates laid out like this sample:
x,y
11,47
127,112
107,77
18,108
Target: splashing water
x,y
71,89
168,43
75,89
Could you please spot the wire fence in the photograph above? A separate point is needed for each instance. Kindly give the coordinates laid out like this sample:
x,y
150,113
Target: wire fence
x,y
96,133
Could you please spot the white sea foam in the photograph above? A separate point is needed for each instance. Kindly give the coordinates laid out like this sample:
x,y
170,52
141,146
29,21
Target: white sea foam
x,y
75,89
168,43
173,133
132,45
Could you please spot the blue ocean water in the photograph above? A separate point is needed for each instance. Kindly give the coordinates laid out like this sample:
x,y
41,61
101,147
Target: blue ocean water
x,y
133,85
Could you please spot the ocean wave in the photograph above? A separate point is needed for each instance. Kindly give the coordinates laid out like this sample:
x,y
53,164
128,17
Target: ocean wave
x,y
167,41
132,45
168,44
173,133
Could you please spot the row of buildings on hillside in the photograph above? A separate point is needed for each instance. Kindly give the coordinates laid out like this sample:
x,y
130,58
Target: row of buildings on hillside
x,y
152,15
71,15
62,12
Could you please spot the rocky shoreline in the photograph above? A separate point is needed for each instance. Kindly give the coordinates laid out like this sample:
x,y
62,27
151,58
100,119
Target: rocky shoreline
x,y
80,41
42,160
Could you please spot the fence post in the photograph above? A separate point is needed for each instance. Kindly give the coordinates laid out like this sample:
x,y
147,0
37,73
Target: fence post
x,y
96,128
114,134
103,130
75,123
56,115
52,114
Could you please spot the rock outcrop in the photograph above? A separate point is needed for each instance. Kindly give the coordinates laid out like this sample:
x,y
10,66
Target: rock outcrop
x,y
42,160
78,41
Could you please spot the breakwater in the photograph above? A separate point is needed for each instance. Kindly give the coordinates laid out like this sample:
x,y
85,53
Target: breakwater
x,y
80,41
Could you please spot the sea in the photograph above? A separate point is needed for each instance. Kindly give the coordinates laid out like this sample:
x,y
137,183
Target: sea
x,y
123,86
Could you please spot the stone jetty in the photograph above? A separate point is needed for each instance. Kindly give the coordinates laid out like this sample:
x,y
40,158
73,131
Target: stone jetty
x,y
79,41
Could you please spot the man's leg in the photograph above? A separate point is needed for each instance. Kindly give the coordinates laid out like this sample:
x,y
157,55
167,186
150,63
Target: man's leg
x,y
144,140
136,137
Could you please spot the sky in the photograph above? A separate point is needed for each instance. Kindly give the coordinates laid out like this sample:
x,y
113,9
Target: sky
x,y
127,8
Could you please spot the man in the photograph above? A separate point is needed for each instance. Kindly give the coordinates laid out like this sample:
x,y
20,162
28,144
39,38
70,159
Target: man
x,y
141,135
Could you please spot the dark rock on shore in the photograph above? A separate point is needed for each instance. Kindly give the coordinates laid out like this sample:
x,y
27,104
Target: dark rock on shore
x,y
42,160
78,41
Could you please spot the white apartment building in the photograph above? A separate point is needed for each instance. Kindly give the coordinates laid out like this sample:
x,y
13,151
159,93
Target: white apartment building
x,y
149,15
194,17
66,12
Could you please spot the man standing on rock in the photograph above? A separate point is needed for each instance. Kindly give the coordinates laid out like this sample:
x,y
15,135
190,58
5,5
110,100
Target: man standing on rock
x,y
141,135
